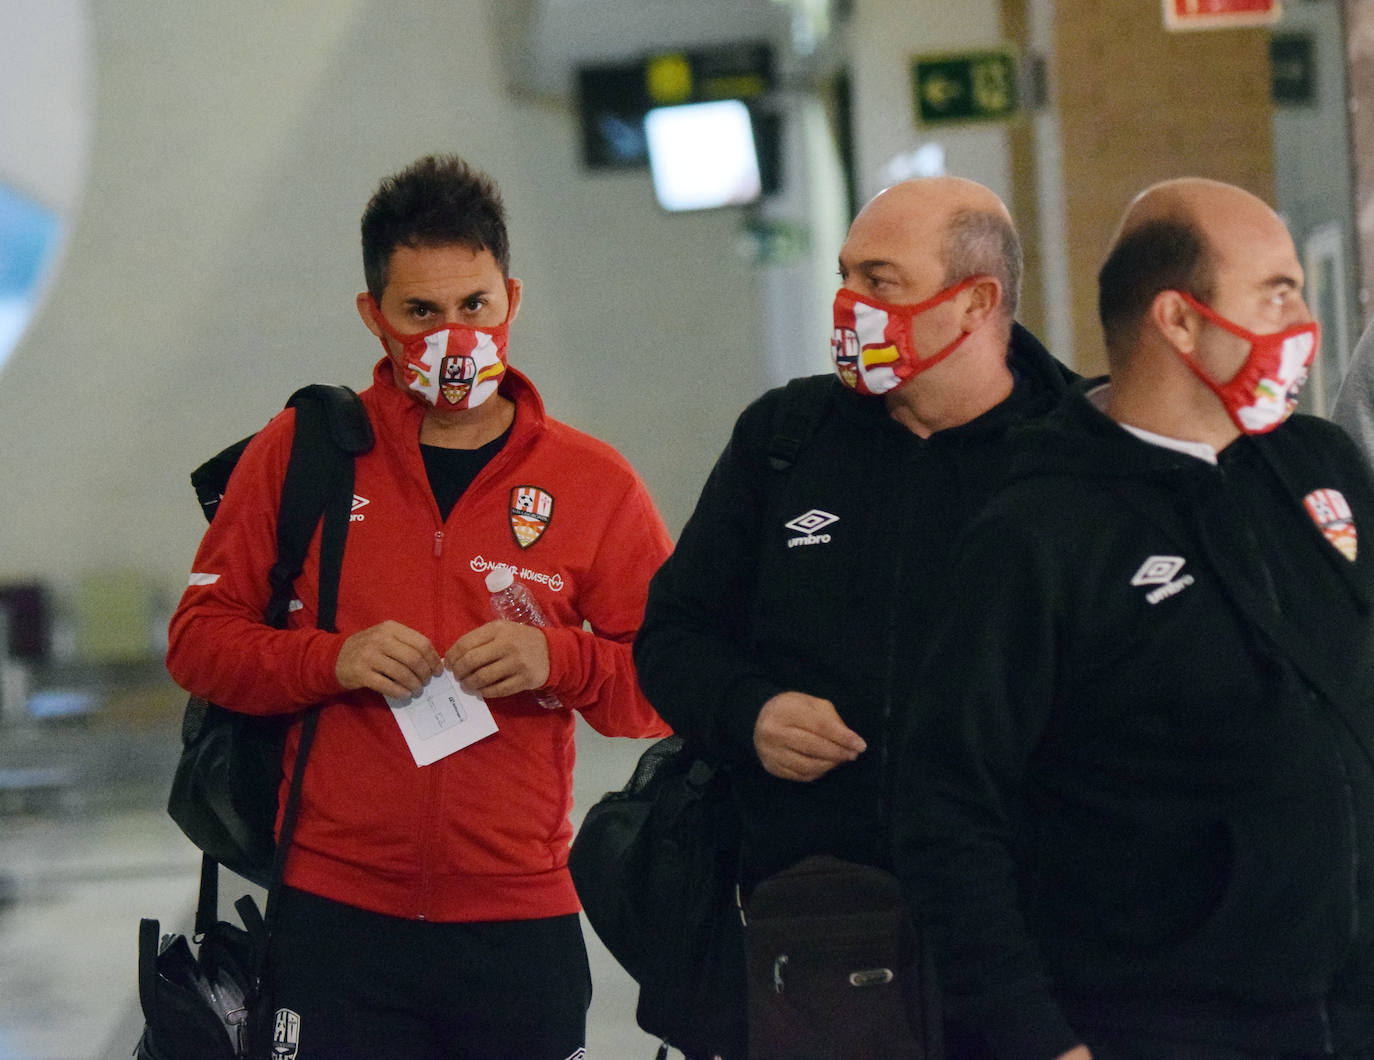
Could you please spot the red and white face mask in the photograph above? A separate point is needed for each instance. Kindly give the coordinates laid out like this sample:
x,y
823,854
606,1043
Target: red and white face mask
x,y
872,348
1263,393
452,367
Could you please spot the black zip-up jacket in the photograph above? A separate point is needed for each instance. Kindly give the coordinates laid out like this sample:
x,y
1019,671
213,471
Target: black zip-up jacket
x,y
816,579
1119,801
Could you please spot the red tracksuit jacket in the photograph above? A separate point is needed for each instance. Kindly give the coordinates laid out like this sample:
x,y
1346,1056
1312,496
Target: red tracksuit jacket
x,y
482,834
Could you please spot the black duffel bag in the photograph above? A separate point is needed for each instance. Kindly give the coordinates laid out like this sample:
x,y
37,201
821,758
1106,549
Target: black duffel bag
x,y
197,1004
656,866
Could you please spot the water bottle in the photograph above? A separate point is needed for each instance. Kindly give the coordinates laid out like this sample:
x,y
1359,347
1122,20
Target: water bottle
x,y
512,601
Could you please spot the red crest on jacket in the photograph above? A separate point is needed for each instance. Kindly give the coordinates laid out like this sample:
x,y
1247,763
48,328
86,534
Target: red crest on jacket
x,y
531,511
1331,512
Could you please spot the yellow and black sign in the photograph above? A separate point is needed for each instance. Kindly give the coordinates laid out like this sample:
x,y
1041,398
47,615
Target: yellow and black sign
x,y
730,71
965,86
614,98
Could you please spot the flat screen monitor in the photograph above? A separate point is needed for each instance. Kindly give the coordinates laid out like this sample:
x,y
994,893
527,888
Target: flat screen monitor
x,y
702,155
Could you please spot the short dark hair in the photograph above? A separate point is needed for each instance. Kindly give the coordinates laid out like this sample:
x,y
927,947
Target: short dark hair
x,y
437,201
1164,254
984,243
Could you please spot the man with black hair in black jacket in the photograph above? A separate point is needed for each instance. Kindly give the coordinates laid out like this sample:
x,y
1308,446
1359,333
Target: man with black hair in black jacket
x,y
772,633
1135,799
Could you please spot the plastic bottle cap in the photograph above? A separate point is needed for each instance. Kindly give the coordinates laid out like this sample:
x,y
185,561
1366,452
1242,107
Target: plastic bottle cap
x,y
499,579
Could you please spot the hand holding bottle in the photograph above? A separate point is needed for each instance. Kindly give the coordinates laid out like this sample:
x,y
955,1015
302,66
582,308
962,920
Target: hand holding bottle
x,y
509,655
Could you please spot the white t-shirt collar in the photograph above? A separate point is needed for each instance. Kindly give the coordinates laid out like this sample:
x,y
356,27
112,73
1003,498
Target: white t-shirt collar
x,y
1200,450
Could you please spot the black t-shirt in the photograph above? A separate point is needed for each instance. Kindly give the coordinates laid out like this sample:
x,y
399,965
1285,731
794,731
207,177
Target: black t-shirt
x,y
451,471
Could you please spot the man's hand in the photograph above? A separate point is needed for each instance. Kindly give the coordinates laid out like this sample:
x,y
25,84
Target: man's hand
x,y
800,737
388,658
500,659
1079,1052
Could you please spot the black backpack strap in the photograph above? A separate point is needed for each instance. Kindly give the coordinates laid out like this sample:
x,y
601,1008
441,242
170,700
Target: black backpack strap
x,y
149,937
1296,647
336,482
1261,609
799,411
331,428
207,900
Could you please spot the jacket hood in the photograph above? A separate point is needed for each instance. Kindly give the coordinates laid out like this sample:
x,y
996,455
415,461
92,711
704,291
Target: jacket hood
x,y
1041,382
1031,361
1078,439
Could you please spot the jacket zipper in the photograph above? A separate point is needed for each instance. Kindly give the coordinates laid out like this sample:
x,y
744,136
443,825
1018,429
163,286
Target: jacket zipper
x,y
431,775
1352,837
1352,880
890,635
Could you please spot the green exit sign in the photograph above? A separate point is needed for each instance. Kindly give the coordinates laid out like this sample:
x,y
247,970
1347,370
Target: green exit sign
x,y
964,86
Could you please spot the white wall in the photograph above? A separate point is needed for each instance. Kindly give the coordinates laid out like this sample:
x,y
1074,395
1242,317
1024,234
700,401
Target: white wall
x,y
45,123
214,263
883,38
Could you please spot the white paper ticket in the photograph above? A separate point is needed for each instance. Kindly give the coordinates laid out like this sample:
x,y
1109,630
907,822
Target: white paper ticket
x,y
441,719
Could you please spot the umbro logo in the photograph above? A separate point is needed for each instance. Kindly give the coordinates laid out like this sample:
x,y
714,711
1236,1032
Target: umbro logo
x,y
807,525
810,522
1162,572
358,502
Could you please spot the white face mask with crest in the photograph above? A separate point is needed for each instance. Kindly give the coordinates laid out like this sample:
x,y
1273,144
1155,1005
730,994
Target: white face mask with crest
x,y
451,367
1264,392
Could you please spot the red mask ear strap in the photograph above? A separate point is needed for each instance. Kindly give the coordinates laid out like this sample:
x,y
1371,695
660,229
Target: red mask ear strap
x,y
1216,318
937,357
950,292
937,298
385,324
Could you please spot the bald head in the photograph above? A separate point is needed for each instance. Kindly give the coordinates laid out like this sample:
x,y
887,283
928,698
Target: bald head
x,y
959,224
1174,236
1194,198
942,196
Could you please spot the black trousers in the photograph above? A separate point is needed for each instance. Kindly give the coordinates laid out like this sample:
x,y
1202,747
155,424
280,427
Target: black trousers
x,y
1134,1045
354,985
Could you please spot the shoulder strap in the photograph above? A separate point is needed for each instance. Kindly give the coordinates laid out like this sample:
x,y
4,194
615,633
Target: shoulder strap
x,y
1295,646
148,940
331,429
1292,642
799,411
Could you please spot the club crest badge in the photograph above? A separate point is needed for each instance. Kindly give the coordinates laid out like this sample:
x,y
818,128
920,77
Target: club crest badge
x,y
286,1035
844,351
1331,512
531,511
456,376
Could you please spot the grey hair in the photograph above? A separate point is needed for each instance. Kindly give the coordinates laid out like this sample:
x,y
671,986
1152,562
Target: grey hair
x,y
984,243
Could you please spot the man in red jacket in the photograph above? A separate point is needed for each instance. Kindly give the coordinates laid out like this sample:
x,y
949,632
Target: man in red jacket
x,y
427,909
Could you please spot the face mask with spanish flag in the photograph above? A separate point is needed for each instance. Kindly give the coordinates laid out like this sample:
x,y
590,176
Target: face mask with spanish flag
x,y
453,367
872,348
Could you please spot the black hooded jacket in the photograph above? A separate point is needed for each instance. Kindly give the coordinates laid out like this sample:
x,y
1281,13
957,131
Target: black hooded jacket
x,y
818,579
1122,799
